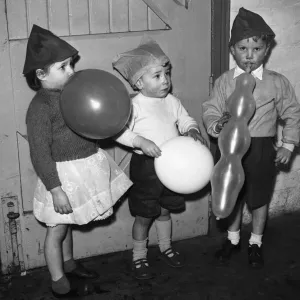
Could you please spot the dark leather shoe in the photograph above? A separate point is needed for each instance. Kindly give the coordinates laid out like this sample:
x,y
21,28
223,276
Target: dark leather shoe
x,y
79,290
71,294
172,258
255,256
224,254
81,272
141,269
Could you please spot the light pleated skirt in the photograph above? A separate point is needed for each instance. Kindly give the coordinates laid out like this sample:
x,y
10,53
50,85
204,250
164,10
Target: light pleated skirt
x,y
93,185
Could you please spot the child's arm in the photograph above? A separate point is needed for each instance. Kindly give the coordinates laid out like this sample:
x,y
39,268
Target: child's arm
x,y
196,135
148,147
61,201
186,124
39,133
39,139
288,109
283,156
130,139
214,111
221,122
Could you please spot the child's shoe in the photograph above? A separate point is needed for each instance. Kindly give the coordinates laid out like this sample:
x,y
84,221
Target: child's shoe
x,y
81,272
141,269
224,254
255,256
172,258
79,289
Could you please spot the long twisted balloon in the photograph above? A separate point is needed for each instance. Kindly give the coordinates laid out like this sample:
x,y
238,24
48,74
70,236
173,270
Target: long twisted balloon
x,y
234,141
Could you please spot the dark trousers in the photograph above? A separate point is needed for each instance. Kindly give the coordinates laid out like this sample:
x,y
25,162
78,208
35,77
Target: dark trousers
x,y
148,194
260,172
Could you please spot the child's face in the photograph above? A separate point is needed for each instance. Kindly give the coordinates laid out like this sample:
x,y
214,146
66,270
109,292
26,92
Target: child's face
x,y
156,82
58,74
249,54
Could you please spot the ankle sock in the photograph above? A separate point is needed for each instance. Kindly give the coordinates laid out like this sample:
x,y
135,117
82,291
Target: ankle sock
x,y
255,239
234,237
69,265
139,249
61,286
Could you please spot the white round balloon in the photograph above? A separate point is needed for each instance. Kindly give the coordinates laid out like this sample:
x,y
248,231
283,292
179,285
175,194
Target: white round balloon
x,y
185,165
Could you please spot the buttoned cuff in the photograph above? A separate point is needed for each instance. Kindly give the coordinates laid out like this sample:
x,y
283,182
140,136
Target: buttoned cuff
x,y
196,128
214,128
288,146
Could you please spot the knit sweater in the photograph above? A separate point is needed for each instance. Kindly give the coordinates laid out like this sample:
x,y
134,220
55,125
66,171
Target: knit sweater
x,y
275,99
50,139
156,119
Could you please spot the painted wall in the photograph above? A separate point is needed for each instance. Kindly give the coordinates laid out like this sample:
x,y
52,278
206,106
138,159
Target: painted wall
x,y
283,16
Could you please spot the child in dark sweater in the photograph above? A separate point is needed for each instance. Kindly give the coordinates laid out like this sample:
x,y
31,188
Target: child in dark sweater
x,y
77,181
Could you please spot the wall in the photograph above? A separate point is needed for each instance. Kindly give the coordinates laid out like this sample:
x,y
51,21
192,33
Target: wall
x,y
283,16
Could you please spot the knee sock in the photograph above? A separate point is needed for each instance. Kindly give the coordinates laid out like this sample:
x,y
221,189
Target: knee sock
x,y
164,231
61,286
234,237
255,239
139,249
69,265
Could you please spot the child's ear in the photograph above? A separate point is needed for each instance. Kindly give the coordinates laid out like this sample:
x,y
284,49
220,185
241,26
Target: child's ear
x,y
267,50
40,74
232,50
139,84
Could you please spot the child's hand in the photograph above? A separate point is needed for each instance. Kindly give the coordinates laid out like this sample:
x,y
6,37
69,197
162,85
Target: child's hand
x,y
61,201
149,148
196,135
283,156
222,121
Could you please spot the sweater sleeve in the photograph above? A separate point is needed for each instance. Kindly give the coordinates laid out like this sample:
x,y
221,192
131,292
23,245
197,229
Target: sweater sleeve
x,y
214,107
39,137
289,111
127,136
184,121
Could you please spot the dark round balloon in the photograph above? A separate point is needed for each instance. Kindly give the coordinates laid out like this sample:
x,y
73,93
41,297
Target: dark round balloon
x,y
95,104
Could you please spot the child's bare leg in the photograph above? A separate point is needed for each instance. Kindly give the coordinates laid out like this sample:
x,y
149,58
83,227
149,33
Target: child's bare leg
x,y
140,228
236,217
68,245
71,267
54,251
259,216
235,220
164,215
54,258
69,262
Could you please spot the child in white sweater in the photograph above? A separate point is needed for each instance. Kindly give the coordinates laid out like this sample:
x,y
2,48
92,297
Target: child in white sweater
x,y
157,116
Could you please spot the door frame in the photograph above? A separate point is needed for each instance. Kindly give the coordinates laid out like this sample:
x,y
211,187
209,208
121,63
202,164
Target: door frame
x,y
220,33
